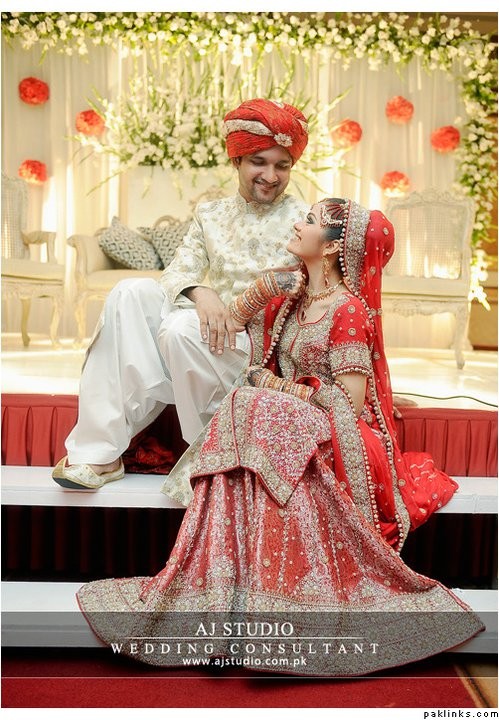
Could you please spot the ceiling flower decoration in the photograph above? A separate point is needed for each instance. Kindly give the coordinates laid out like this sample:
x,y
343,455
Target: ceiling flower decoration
x,y
33,171
445,139
33,91
399,110
395,184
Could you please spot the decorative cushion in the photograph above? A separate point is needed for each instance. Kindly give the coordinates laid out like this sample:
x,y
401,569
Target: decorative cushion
x,y
166,238
128,247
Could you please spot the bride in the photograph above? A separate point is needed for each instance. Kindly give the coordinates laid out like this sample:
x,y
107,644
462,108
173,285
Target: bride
x,y
301,498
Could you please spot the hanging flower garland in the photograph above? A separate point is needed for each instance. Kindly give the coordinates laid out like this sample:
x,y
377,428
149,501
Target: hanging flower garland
x,y
89,122
395,184
33,91
346,134
399,110
33,171
445,139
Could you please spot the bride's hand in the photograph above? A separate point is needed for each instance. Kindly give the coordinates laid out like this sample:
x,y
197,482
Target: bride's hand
x,y
254,373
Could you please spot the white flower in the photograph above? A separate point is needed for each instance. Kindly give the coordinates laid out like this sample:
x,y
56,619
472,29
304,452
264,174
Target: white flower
x,y
237,58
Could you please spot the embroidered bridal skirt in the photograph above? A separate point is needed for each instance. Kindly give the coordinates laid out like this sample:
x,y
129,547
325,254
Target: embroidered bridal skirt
x,y
275,563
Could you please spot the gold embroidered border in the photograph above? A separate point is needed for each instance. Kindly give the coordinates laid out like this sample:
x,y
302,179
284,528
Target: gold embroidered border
x,y
352,452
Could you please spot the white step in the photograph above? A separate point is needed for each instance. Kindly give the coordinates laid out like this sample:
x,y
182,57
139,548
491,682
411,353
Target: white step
x,y
30,485
46,614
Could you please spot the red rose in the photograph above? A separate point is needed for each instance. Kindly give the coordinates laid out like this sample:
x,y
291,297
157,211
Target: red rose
x,y
346,134
33,171
89,122
399,110
445,139
395,183
33,91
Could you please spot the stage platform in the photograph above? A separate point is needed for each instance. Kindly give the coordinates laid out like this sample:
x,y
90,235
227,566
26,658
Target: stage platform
x,y
428,376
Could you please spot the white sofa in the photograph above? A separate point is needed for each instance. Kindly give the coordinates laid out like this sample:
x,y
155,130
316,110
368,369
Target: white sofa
x,y
96,273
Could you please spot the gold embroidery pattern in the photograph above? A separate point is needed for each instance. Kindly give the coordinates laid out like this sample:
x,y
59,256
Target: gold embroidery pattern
x,y
351,357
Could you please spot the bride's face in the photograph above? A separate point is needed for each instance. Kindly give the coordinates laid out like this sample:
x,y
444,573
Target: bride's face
x,y
308,240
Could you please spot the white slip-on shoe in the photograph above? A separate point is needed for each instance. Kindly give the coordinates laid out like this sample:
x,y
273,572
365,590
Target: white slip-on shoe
x,y
80,477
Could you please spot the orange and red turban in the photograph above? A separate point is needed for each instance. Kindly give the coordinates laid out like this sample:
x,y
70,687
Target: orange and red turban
x,y
262,124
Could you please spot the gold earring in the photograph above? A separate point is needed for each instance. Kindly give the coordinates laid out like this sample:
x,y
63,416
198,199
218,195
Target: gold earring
x,y
325,271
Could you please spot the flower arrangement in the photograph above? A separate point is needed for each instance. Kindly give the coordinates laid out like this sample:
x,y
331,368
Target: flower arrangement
x,y
346,134
152,126
445,139
88,122
395,184
33,171
33,91
399,110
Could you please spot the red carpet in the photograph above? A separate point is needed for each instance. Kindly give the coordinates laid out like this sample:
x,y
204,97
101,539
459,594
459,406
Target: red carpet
x,y
77,678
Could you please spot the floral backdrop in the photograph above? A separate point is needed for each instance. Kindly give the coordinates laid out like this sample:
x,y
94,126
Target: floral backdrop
x,y
171,76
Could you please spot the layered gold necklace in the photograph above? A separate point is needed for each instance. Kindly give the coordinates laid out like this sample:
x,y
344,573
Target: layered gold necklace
x,y
309,298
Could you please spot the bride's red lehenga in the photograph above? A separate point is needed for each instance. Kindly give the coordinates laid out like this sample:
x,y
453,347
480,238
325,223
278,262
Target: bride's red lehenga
x,y
299,509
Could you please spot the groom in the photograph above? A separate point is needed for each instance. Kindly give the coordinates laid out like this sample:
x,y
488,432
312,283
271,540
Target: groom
x,y
174,341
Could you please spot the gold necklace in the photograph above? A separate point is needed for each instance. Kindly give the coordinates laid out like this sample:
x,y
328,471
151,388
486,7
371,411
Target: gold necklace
x,y
309,297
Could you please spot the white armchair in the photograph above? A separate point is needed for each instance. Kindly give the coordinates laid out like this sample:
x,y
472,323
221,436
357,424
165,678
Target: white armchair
x,y
22,277
429,271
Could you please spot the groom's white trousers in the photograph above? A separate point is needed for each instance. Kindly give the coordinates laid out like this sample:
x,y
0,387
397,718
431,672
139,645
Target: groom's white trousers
x,y
146,354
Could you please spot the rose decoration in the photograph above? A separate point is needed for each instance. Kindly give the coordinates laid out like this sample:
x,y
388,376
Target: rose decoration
x,y
33,171
33,91
346,134
395,183
88,122
445,139
399,110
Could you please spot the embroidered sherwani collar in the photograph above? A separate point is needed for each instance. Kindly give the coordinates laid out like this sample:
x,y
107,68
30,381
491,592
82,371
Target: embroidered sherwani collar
x,y
256,207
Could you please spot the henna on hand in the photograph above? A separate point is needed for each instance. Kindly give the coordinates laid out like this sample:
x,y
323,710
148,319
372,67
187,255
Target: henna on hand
x,y
291,283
